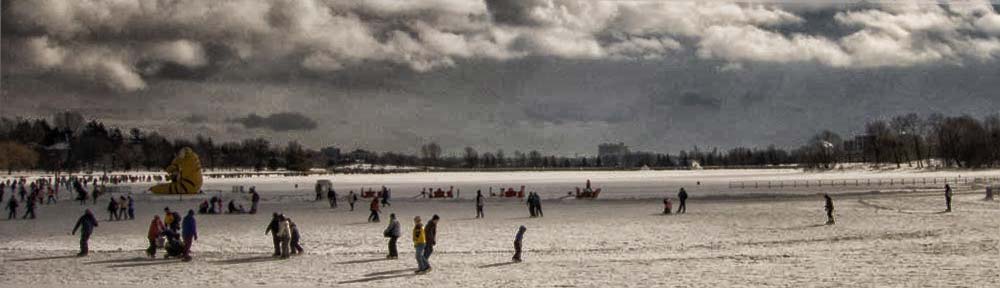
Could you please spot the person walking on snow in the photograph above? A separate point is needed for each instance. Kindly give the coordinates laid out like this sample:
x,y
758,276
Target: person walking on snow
x,y
131,208
86,225
479,204
431,233
419,244
272,228
284,236
517,243
385,197
112,209
254,199
12,207
190,234
30,210
295,247
374,208
682,196
392,232
947,197
351,198
531,204
829,209
156,227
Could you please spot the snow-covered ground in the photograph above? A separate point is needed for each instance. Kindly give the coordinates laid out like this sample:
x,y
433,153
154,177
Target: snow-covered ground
x,y
880,239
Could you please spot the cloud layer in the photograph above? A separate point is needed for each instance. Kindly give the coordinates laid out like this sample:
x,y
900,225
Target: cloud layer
x,y
287,121
123,44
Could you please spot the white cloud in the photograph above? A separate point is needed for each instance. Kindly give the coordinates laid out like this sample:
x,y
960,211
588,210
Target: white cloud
x,y
331,35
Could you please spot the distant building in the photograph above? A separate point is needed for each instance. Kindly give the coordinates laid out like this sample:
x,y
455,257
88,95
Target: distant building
x,y
611,154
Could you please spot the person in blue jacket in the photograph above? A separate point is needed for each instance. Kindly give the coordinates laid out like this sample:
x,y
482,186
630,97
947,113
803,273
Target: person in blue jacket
x,y
86,224
190,233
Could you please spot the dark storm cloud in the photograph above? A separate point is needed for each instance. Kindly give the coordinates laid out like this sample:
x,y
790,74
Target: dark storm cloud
x,y
195,119
513,12
694,99
287,121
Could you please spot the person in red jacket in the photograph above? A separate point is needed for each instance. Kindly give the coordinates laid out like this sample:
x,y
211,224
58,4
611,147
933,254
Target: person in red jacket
x,y
374,208
155,229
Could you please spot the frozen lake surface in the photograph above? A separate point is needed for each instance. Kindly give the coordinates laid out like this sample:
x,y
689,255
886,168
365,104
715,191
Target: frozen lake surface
x,y
880,239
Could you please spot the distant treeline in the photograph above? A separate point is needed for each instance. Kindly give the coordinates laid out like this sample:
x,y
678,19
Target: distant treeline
x,y
70,143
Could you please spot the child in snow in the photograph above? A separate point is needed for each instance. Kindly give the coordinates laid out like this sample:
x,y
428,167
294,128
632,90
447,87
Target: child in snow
x,y
296,248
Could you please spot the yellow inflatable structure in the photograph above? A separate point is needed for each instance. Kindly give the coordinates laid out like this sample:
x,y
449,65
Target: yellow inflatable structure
x,y
185,174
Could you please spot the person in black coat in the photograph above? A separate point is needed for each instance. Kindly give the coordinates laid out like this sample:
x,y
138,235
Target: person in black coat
x,y
254,199
30,207
829,209
86,225
480,201
272,228
430,234
682,196
12,207
112,209
947,197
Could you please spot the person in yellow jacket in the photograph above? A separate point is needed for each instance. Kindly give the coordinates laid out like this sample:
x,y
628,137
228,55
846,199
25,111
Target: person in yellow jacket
x,y
185,174
419,243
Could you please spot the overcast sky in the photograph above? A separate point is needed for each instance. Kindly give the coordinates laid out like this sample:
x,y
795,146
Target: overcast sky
x,y
559,76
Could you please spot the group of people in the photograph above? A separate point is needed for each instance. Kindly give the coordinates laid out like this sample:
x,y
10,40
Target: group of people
x,y
285,236
19,189
123,209
173,234
534,205
177,235
214,205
